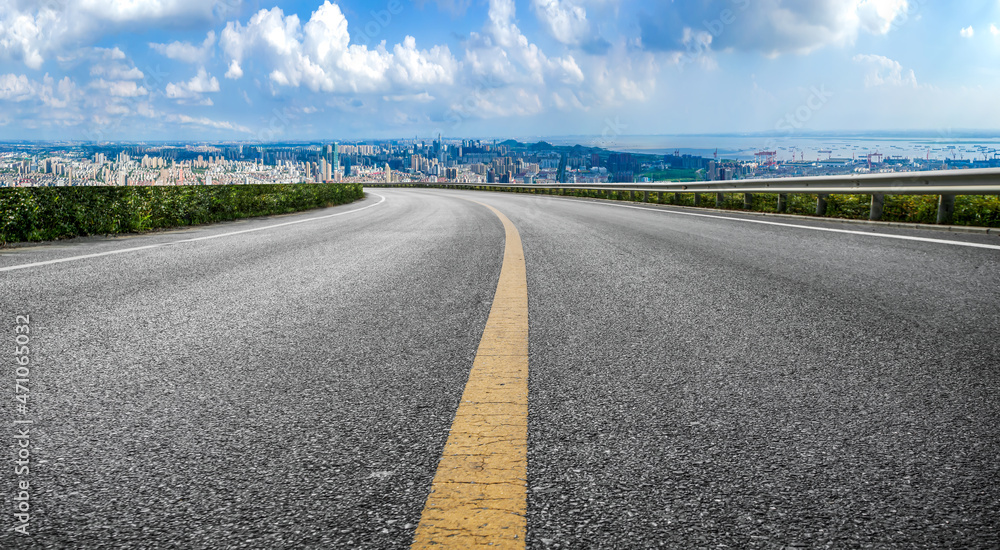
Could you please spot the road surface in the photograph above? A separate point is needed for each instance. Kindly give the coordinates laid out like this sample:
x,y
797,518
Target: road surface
x,y
694,380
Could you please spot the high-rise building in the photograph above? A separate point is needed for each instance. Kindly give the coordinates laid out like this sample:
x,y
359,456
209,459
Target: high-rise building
x,y
324,170
622,167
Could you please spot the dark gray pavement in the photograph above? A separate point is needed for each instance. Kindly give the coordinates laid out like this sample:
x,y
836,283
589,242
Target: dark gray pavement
x,y
695,382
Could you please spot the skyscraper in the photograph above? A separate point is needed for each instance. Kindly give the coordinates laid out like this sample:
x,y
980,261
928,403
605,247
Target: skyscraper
x,y
324,170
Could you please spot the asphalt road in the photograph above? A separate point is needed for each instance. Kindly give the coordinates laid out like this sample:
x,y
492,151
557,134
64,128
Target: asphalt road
x,y
694,381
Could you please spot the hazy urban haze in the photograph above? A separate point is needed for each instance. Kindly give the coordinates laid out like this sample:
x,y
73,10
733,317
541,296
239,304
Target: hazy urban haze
x,y
251,70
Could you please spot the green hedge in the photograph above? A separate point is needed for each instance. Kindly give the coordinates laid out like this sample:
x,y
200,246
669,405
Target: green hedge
x,y
971,210
48,213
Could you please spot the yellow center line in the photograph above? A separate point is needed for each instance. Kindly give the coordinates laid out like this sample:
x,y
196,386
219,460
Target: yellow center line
x,y
478,497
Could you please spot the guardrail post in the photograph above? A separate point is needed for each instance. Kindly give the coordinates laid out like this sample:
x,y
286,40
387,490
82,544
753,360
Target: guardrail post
x,y
720,200
645,196
697,199
748,201
946,210
782,203
878,205
821,205
677,198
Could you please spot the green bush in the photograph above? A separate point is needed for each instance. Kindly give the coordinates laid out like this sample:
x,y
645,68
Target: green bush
x,y
977,210
49,213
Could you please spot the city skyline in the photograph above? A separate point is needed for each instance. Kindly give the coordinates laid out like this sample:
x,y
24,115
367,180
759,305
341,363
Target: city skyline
x,y
308,70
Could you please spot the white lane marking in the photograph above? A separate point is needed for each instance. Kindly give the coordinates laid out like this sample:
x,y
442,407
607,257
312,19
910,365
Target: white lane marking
x,y
282,224
827,229
136,249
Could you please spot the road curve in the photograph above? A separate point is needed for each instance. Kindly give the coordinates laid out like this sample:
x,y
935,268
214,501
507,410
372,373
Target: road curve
x,y
693,381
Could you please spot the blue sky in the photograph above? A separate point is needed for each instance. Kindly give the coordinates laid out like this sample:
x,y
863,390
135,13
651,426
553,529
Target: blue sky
x,y
352,69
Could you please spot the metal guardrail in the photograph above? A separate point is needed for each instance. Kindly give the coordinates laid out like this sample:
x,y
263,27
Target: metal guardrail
x,y
937,182
947,184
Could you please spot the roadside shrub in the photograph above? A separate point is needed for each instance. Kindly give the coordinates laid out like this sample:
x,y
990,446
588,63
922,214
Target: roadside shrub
x,y
49,213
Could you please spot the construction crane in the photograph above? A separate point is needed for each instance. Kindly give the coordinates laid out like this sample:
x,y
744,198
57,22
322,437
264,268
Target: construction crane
x,y
877,155
769,157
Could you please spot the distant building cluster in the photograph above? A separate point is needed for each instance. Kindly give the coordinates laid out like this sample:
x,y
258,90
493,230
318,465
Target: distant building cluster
x,y
400,161
140,165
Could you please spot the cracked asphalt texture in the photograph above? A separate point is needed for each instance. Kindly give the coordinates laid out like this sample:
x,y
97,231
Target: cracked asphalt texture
x,y
694,382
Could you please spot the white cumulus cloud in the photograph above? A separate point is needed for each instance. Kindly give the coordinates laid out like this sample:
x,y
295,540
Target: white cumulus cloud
x,y
48,92
877,16
185,51
565,20
202,83
884,71
116,71
505,74
967,32
32,31
15,87
319,56
773,27
235,71
119,88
